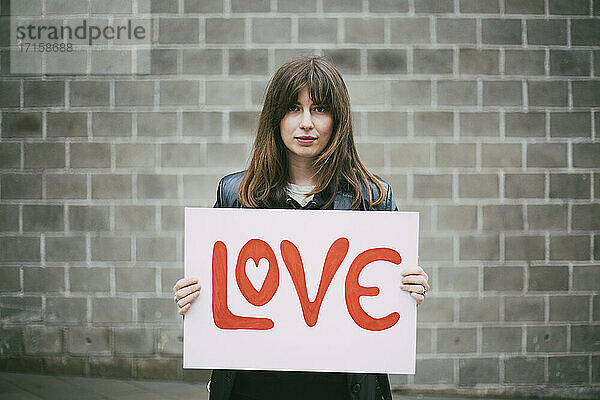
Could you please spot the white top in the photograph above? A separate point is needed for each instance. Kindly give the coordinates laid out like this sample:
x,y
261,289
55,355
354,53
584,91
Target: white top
x,y
298,193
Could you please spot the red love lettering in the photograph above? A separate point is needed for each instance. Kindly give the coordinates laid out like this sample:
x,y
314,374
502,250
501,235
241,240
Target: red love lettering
x,y
354,290
291,257
256,249
222,316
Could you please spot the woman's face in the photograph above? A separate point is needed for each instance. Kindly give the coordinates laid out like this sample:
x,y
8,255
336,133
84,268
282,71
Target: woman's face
x,y
306,127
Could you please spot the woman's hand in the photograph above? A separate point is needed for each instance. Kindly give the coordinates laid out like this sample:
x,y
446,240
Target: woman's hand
x,y
414,281
186,290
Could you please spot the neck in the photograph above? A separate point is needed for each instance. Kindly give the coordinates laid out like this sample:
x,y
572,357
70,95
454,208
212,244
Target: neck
x,y
301,171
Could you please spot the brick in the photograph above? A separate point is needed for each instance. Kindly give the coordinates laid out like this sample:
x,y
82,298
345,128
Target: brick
x,y
43,218
546,339
21,186
65,248
433,123
366,92
168,278
43,93
547,31
413,30
573,186
44,155
90,155
388,61
458,279
473,309
111,248
586,277
586,93
200,186
247,62
524,186
457,218
398,183
432,186
473,371
135,279
547,155
434,6
524,62
241,123
19,249
478,62
21,308
89,218
272,30
206,123
437,309
503,340
202,61
455,155
457,93
179,93
170,341
157,310
89,93
596,57
111,186
156,249
572,247
479,6
25,124
137,155
569,308
41,279
347,61
371,154
172,218
151,368
586,155
548,278
162,61
70,310
111,367
424,340
135,218
296,6
502,217
479,247
388,6
524,7
456,30
523,308
530,124
549,94
456,340
11,93
596,360
503,278
111,124
342,6
501,31
226,155
225,30
525,248
200,6
363,30
66,186
178,30
429,61
225,92
88,340
501,155
410,155
9,218
42,340
9,279
135,93
585,338
569,370
478,186
574,7
10,155
412,93
570,62
502,93
89,279
134,340
181,155
547,217
524,370
157,186
66,124
585,32
111,309
435,371
570,124
479,124
12,343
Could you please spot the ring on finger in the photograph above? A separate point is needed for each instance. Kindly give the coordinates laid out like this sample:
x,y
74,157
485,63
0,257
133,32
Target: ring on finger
x,y
175,298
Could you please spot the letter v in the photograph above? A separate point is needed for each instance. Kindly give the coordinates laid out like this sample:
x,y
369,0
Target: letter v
x,y
291,257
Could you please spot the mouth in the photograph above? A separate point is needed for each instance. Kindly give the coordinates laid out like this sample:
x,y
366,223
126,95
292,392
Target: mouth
x,y
305,139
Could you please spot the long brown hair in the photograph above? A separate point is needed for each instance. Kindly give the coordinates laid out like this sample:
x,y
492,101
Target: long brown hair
x,y
338,167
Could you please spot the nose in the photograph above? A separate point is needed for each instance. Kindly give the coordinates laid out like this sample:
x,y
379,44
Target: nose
x,y
306,122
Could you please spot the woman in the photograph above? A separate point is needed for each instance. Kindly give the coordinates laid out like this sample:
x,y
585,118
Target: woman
x,y
304,157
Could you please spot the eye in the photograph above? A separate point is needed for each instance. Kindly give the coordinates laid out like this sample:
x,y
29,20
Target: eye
x,y
293,108
320,109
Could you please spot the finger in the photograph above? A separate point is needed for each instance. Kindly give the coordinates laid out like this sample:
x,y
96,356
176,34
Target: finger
x,y
416,280
183,282
413,288
181,293
418,297
184,309
416,270
187,299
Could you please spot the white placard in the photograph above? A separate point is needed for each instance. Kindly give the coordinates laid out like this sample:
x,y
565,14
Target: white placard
x,y
349,333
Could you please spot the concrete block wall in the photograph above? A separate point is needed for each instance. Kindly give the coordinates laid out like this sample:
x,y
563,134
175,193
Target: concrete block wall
x,y
484,115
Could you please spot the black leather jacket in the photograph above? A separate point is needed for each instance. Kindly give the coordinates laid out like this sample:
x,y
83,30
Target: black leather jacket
x,y
360,386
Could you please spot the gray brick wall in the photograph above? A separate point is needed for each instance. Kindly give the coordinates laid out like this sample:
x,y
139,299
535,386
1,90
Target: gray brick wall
x,y
483,114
